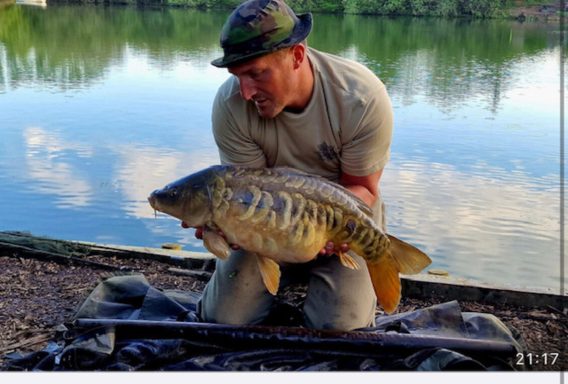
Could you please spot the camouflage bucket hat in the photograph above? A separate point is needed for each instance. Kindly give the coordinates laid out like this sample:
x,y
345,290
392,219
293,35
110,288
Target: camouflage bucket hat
x,y
258,27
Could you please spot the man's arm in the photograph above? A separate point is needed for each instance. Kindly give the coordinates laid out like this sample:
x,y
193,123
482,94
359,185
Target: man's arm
x,y
229,126
364,187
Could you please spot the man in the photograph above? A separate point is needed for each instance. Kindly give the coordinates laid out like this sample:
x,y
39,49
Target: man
x,y
290,105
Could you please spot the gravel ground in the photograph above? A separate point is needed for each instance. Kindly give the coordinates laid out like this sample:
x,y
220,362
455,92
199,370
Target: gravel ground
x,y
36,296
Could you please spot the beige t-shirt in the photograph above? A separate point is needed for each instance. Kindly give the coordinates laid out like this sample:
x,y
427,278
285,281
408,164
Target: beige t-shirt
x,y
346,127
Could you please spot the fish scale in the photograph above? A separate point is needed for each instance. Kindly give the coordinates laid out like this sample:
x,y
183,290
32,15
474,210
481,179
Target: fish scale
x,y
287,216
290,207
277,210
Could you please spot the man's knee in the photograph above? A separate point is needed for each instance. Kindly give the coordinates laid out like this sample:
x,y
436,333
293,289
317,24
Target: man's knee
x,y
214,311
340,298
235,293
349,319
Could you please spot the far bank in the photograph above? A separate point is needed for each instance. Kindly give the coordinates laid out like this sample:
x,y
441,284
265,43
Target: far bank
x,y
522,10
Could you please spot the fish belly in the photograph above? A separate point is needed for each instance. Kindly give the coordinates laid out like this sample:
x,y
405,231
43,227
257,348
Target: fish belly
x,y
295,242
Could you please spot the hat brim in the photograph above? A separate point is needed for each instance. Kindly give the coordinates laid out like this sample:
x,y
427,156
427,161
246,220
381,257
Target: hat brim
x,y
301,31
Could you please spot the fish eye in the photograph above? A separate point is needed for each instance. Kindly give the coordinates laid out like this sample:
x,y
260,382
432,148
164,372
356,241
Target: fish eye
x,y
172,192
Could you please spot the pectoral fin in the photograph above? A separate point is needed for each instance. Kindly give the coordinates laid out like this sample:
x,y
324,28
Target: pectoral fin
x,y
215,243
347,261
270,272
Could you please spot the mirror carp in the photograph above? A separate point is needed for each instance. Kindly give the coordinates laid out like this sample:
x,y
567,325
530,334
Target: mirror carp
x,y
284,215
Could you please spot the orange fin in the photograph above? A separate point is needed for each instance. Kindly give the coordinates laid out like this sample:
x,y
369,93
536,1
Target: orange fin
x,y
409,259
215,243
347,261
386,282
401,257
270,273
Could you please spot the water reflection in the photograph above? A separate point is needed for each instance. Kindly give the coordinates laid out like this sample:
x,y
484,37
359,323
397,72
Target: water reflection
x,y
463,59
488,216
99,106
53,163
73,46
479,225
48,163
448,61
140,170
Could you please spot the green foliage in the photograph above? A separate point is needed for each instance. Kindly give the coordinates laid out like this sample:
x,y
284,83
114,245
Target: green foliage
x,y
482,8
444,8
203,4
326,6
447,8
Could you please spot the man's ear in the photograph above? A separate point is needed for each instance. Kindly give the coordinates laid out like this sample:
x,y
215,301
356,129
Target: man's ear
x,y
298,55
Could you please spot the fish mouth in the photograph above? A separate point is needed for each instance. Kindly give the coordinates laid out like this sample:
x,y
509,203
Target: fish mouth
x,y
152,201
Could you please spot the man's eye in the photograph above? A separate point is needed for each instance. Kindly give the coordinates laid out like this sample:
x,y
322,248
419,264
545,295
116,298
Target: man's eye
x,y
256,74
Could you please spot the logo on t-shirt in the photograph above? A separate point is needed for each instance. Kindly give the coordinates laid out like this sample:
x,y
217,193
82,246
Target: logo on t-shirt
x,y
327,152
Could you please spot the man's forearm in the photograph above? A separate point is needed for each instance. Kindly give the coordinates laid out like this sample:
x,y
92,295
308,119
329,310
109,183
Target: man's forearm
x,y
363,193
364,187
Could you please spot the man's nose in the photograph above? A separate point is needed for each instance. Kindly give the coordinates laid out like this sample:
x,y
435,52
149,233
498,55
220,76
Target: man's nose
x,y
247,88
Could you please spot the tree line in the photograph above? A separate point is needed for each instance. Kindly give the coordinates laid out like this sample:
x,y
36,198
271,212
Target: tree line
x,y
440,8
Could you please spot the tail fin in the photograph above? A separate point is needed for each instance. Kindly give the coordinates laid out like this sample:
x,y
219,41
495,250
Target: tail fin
x,y
384,275
400,258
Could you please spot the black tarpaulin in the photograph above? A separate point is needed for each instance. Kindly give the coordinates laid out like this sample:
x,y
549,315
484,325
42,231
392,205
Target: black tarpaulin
x,y
126,324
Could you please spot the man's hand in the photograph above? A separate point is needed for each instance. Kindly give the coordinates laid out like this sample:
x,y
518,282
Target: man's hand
x,y
330,248
199,234
184,225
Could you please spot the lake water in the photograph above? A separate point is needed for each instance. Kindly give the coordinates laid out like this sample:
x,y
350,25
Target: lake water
x,y
101,105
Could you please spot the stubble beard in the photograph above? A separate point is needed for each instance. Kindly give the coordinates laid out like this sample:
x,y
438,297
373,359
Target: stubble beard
x,y
268,110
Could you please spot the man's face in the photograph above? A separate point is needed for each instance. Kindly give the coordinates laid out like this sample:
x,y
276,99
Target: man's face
x,y
266,81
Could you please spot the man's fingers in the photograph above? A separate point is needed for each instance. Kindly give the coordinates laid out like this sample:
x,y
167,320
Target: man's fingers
x,y
330,248
199,235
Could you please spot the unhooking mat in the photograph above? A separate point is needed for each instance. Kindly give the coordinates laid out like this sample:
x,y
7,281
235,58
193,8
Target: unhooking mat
x,y
128,325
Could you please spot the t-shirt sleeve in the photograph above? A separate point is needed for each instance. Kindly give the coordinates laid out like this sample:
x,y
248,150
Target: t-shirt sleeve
x,y
230,131
366,145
